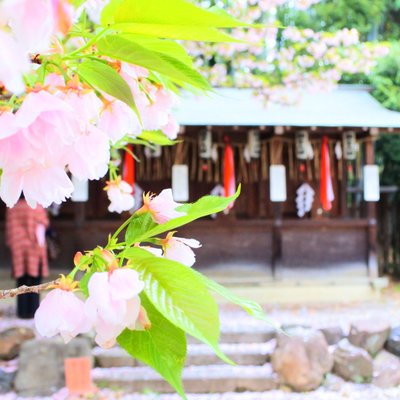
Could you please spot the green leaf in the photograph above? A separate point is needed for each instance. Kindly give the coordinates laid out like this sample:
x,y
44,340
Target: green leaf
x,y
250,306
162,347
77,3
167,47
156,137
172,12
107,15
124,48
84,281
138,227
206,205
107,79
179,32
179,295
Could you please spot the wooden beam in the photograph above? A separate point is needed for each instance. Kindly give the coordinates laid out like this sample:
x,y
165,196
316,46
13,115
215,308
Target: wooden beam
x,y
276,253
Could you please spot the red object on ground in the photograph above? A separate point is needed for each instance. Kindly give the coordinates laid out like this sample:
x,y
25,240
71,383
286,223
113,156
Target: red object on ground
x,y
229,172
128,170
326,188
78,375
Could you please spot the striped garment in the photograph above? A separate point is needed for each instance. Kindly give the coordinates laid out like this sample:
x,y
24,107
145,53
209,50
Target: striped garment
x,y
22,226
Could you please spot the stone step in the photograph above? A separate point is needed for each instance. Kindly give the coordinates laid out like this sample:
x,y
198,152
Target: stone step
x,y
243,336
198,354
196,379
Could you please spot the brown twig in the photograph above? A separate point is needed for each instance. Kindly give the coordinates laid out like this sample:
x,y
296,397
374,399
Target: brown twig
x,y
9,293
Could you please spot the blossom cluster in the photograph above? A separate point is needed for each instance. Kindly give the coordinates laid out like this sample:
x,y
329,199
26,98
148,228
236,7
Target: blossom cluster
x,y
280,64
59,126
113,303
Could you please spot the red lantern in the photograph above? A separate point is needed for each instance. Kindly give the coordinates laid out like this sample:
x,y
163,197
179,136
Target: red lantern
x,y
326,188
128,170
229,172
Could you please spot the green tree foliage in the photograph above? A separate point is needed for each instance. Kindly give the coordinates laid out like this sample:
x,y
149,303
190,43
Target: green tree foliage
x,y
386,80
386,89
388,157
374,19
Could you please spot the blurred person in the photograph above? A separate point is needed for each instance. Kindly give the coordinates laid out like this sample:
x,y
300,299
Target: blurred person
x,y
26,238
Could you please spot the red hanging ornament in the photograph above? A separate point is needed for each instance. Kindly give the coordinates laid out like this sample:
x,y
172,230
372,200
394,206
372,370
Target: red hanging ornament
x,y
229,172
128,170
326,188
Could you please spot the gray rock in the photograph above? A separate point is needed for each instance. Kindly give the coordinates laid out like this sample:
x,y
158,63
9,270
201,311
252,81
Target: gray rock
x,y
11,340
301,358
386,370
393,342
293,327
41,365
352,363
333,382
369,335
333,334
6,381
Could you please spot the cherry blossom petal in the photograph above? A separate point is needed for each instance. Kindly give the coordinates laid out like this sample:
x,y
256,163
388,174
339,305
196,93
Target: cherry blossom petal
x,y
118,120
89,156
124,283
61,312
107,333
178,251
32,22
163,207
10,187
171,129
189,242
121,197
14,62
132,313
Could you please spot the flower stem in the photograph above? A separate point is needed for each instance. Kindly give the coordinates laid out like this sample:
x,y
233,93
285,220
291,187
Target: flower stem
x,y
121,228
89,43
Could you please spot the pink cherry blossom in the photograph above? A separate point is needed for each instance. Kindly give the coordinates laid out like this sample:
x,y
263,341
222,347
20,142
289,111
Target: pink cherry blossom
x,y
117,120
120,194
8,124
113,303
154,105
89,155
61,312
162,207
41,184
64,15
32,23
14,62
30,151
180,249
171,130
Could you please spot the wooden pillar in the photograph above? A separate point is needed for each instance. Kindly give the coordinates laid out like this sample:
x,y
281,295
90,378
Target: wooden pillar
x,y
372,259
344,212
79,214
276,253
79,220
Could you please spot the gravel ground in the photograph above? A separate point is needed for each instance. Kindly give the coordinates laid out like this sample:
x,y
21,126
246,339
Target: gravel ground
x,y
347,392
237,321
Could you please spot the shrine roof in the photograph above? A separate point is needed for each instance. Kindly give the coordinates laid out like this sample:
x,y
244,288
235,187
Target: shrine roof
x,y
345,106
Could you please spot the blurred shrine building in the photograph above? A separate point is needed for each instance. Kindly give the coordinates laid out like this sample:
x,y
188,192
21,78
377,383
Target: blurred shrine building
x,y
310,185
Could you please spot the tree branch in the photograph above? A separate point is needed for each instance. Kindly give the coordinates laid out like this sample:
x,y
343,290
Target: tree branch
x,y
9,293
